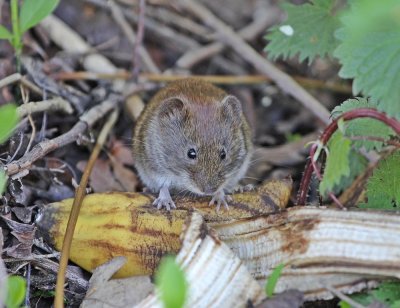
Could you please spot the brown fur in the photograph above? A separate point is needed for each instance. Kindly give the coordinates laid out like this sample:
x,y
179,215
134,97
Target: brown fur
x,y
190,114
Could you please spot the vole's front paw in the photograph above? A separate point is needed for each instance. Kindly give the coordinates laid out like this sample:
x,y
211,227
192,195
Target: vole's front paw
x,y
167,202
164,200
220,198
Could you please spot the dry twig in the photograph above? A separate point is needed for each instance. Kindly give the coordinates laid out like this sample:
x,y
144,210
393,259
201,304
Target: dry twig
x,y
217,79
139,40
55,104
41,149
284,81
130,34
10,80
248,33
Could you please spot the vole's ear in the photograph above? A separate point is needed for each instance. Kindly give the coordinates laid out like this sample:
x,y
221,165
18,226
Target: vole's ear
x,y
231,109
172,108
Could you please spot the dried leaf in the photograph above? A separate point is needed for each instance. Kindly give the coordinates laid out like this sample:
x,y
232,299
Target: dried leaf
x,y
24,235
105,292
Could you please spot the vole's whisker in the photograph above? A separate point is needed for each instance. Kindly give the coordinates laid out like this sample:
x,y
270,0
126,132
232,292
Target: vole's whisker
x,y
251,178
256,160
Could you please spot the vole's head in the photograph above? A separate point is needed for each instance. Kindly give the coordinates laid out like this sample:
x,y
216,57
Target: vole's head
x,y
202,144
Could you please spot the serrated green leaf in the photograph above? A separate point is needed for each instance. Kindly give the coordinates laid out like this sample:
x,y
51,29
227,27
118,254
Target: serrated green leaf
x,y
171,282
4,33
3,181
16,289
8,120
337,162
387,293
308,31
34,11
363,127
383,187
369,51
273,279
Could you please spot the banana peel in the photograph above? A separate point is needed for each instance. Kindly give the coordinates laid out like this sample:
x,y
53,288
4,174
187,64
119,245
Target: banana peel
x,y
126,224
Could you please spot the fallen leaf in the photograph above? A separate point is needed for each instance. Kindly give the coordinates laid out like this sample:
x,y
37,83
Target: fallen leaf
x,y
23,213
110,175
101,179
122,153
23,238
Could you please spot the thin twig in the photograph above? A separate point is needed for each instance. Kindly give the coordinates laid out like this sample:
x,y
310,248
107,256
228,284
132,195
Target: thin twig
x,y
139,40
343,297
173,39
248,33
55,104
25,98
119,18
41,149
183,23
73,217
53,267
284,81
31,86
217,79
70,41
10,80
21,138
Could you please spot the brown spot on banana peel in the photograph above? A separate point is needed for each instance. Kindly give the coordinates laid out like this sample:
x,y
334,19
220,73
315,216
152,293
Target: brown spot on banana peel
x,y
294,235
268,200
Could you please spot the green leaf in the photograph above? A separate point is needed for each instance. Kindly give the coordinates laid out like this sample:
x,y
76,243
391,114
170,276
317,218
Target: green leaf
x,y
4,33
337,162
273,280
3,181
171,283
363,127
16,289
369,51
8,120
383,187
34,11
387,293
308,31
358,163
395,304
343,304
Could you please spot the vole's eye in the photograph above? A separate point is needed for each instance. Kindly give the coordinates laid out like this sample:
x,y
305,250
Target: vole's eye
x,y
222,154
192,154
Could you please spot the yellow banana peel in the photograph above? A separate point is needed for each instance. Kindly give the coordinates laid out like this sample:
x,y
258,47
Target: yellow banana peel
x,y
126,224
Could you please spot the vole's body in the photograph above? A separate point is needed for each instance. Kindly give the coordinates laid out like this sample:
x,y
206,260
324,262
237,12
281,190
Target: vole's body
x,y
193,137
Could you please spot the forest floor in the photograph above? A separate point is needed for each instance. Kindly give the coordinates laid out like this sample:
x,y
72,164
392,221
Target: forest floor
x,y
96,56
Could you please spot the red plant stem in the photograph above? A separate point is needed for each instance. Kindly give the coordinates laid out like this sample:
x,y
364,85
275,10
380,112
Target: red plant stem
x,y
326,135
303,190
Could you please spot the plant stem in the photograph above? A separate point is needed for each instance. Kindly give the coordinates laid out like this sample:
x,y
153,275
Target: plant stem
x,y
16,41
326,135
76,206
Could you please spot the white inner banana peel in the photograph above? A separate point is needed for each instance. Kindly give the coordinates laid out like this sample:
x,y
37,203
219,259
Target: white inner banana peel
x,y
216,277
